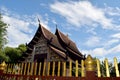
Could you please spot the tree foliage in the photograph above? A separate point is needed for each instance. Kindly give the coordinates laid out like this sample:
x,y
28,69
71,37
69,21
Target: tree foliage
x,y
10,54
3,57
3,40
3,32
13,54
22,48
103,69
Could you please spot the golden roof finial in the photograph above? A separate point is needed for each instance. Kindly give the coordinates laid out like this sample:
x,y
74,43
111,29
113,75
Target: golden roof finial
x,y
2,65
90,63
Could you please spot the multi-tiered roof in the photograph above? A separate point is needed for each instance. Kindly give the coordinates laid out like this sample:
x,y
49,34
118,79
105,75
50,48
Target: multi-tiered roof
x,y
58,42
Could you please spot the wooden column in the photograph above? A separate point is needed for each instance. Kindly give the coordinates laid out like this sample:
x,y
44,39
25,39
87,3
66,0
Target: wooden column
x,y
25,66
21,70
44,68
116,67
70,68
35,66
58,74
48,71
64,69
82,69
40,65
53,70
98,68
28,69
76,69
32,65
107,68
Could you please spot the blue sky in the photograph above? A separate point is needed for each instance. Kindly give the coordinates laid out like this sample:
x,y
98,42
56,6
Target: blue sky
x,y
94,25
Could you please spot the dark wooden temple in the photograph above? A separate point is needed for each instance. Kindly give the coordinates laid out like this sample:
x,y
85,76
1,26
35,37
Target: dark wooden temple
x,y
46,46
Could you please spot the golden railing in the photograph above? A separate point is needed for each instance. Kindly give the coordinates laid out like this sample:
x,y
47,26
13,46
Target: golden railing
x,y
59,68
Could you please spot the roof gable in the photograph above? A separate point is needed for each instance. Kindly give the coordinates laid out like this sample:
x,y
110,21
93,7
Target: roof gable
x,y
69,43
51,38
54,42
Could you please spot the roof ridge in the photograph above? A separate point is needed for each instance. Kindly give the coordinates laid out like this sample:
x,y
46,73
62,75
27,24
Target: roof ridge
x,y
46,30
67,37
48,35
69,43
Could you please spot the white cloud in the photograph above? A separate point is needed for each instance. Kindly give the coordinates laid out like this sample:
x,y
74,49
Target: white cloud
x,y
102,52
95,52
115,49
99,51
117,35
17,30
92,41
91,30
112,11
19,24
102,48
21,28
4,10
54,22
95,41
110,42
42,4
83,13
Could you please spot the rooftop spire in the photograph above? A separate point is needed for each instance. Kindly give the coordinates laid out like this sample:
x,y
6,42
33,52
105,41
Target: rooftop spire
x,y
56,26
39,20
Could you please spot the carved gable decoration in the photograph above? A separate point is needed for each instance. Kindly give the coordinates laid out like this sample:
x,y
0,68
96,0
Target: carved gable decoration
x,y
41,46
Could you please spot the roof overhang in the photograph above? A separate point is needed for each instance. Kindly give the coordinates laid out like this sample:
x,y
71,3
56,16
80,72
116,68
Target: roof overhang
x,y
62,54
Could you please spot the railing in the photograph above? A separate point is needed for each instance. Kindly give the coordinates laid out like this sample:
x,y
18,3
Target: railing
x,y
88,70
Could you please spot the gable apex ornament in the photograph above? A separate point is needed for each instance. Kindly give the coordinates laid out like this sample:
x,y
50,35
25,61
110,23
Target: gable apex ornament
x,y
39,20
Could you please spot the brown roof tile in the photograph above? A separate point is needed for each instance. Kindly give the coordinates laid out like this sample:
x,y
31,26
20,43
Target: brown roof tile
x,y
62,54
69,43
53,40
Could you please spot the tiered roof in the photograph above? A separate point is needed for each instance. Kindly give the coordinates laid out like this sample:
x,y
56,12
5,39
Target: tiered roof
x,y
58,42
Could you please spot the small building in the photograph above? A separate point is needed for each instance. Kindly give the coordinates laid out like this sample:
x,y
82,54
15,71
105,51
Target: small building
x,y
46,46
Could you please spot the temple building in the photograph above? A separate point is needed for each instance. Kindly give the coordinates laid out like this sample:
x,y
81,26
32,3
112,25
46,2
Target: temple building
x,y
46,46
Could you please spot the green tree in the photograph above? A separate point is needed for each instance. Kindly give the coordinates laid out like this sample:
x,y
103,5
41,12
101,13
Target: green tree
x,y
14,53
3,57
103,69
3,40
22,48
3,32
